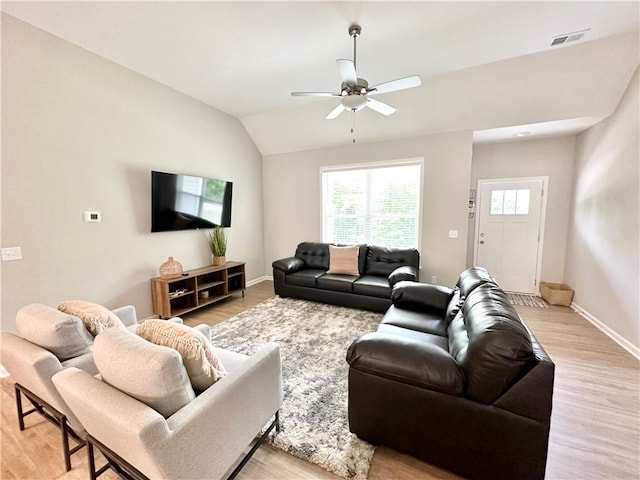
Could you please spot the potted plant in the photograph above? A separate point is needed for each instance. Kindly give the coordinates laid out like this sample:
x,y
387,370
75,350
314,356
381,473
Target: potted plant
x,y
218,245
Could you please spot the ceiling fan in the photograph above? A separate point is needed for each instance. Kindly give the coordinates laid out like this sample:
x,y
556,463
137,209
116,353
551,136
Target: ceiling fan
x,y
355,91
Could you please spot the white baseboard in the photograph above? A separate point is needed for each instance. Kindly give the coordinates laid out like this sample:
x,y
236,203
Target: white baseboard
x,y
612,334
258,280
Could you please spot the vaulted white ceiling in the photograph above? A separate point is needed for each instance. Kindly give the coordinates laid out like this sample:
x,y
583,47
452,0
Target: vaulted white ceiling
x,y
486,66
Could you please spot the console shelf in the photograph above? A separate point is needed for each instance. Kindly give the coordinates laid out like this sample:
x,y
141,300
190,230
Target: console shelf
x,y
196,288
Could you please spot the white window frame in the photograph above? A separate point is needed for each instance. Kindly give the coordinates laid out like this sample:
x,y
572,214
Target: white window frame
x,y
419,161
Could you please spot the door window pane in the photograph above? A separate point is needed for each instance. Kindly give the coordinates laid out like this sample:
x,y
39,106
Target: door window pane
x,y
510,202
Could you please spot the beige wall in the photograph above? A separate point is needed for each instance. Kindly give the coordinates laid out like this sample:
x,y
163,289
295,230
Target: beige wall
x,y
551,157
292,207
603,244
82,133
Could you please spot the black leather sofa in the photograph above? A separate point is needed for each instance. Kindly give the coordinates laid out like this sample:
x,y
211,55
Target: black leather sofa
x,y
455,378
305,276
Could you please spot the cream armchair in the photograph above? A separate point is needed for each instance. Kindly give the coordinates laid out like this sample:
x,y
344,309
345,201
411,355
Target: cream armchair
x,y
51,341
203,438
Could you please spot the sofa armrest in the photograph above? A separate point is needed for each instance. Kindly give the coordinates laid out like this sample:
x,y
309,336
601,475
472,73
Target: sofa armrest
x,y
406,360
404,273
288,265
127,314
421,297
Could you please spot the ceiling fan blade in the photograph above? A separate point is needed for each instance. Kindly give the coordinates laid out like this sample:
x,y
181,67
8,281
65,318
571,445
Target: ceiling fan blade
x,y
347,71
380,107
314,94
394,85
335,112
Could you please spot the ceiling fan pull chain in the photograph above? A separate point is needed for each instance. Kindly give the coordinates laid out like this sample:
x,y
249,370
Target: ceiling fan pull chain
x,y
353,125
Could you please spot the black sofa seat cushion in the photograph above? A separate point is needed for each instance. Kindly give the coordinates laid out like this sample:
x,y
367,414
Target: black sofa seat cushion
x,y
418,321
304,278
337,283
372,286
436,340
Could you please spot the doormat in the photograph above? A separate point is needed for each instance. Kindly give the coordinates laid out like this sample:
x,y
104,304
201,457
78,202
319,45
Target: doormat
x,y
526,300
313,339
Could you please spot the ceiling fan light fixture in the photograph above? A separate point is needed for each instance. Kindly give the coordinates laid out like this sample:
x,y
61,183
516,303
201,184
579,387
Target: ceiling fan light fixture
x,y
354,102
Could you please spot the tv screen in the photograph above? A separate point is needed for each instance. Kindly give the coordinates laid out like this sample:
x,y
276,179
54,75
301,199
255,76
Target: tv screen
x,y
186,202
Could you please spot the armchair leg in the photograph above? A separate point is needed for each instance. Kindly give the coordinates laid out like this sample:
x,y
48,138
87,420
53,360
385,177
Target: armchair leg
x,y
53,416
114,462
275,424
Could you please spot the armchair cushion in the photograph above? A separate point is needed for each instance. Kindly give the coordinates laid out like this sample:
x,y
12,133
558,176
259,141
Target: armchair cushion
x,y
62,334
422,297
201,361
343,260
152,374
96,318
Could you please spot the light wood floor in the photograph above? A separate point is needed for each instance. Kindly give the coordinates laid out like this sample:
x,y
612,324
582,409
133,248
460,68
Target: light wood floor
x,y
595,429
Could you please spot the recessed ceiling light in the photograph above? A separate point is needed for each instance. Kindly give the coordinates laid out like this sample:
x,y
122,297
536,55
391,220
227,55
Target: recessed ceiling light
x,y
523,134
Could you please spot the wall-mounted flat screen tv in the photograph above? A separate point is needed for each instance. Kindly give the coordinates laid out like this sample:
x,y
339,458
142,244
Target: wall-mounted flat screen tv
x,y
186,202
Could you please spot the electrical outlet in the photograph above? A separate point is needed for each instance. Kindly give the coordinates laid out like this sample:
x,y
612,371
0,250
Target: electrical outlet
x,y
11,253
434,279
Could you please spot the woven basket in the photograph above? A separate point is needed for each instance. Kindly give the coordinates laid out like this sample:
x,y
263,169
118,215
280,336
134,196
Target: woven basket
x,y
556,293
170,269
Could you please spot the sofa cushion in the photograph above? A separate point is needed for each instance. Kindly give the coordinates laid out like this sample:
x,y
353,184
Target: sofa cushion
x,y
304,278
437,340
201,361
151,373
343,260
337,283
62,334
314,255
415,320
422,297
382,261
499,348
96,318
372,286
472,278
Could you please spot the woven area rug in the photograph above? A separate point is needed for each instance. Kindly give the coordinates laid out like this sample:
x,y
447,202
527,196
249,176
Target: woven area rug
x,y
526,300
313,340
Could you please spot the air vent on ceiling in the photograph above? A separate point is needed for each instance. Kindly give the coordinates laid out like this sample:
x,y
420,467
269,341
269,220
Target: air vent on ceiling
x,y
568,37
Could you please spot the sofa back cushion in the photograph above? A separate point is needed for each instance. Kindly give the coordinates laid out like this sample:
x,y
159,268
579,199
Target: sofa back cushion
x,y
62,334
489,341
150,373
381,261
472,278
314,255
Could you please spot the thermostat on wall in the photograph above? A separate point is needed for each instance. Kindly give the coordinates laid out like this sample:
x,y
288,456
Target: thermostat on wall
x,y
92,216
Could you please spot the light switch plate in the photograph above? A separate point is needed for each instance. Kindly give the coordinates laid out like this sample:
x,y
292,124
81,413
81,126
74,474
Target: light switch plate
x,y
453,233
11,253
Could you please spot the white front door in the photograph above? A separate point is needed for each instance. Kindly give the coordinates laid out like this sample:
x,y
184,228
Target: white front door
x,y
508,231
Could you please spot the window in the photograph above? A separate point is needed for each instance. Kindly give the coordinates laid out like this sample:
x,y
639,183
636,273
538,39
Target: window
x,y
376,204
510,202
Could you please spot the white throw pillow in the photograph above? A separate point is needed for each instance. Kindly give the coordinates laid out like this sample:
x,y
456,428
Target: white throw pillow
x,y
200,359
96,318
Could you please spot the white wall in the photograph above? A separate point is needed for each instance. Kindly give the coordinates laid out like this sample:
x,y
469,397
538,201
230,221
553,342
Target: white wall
x,y
604,234
292,206
552,157
82,133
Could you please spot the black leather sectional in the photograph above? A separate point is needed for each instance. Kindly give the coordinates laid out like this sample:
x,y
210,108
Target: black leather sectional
x,y
305,276
455,378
